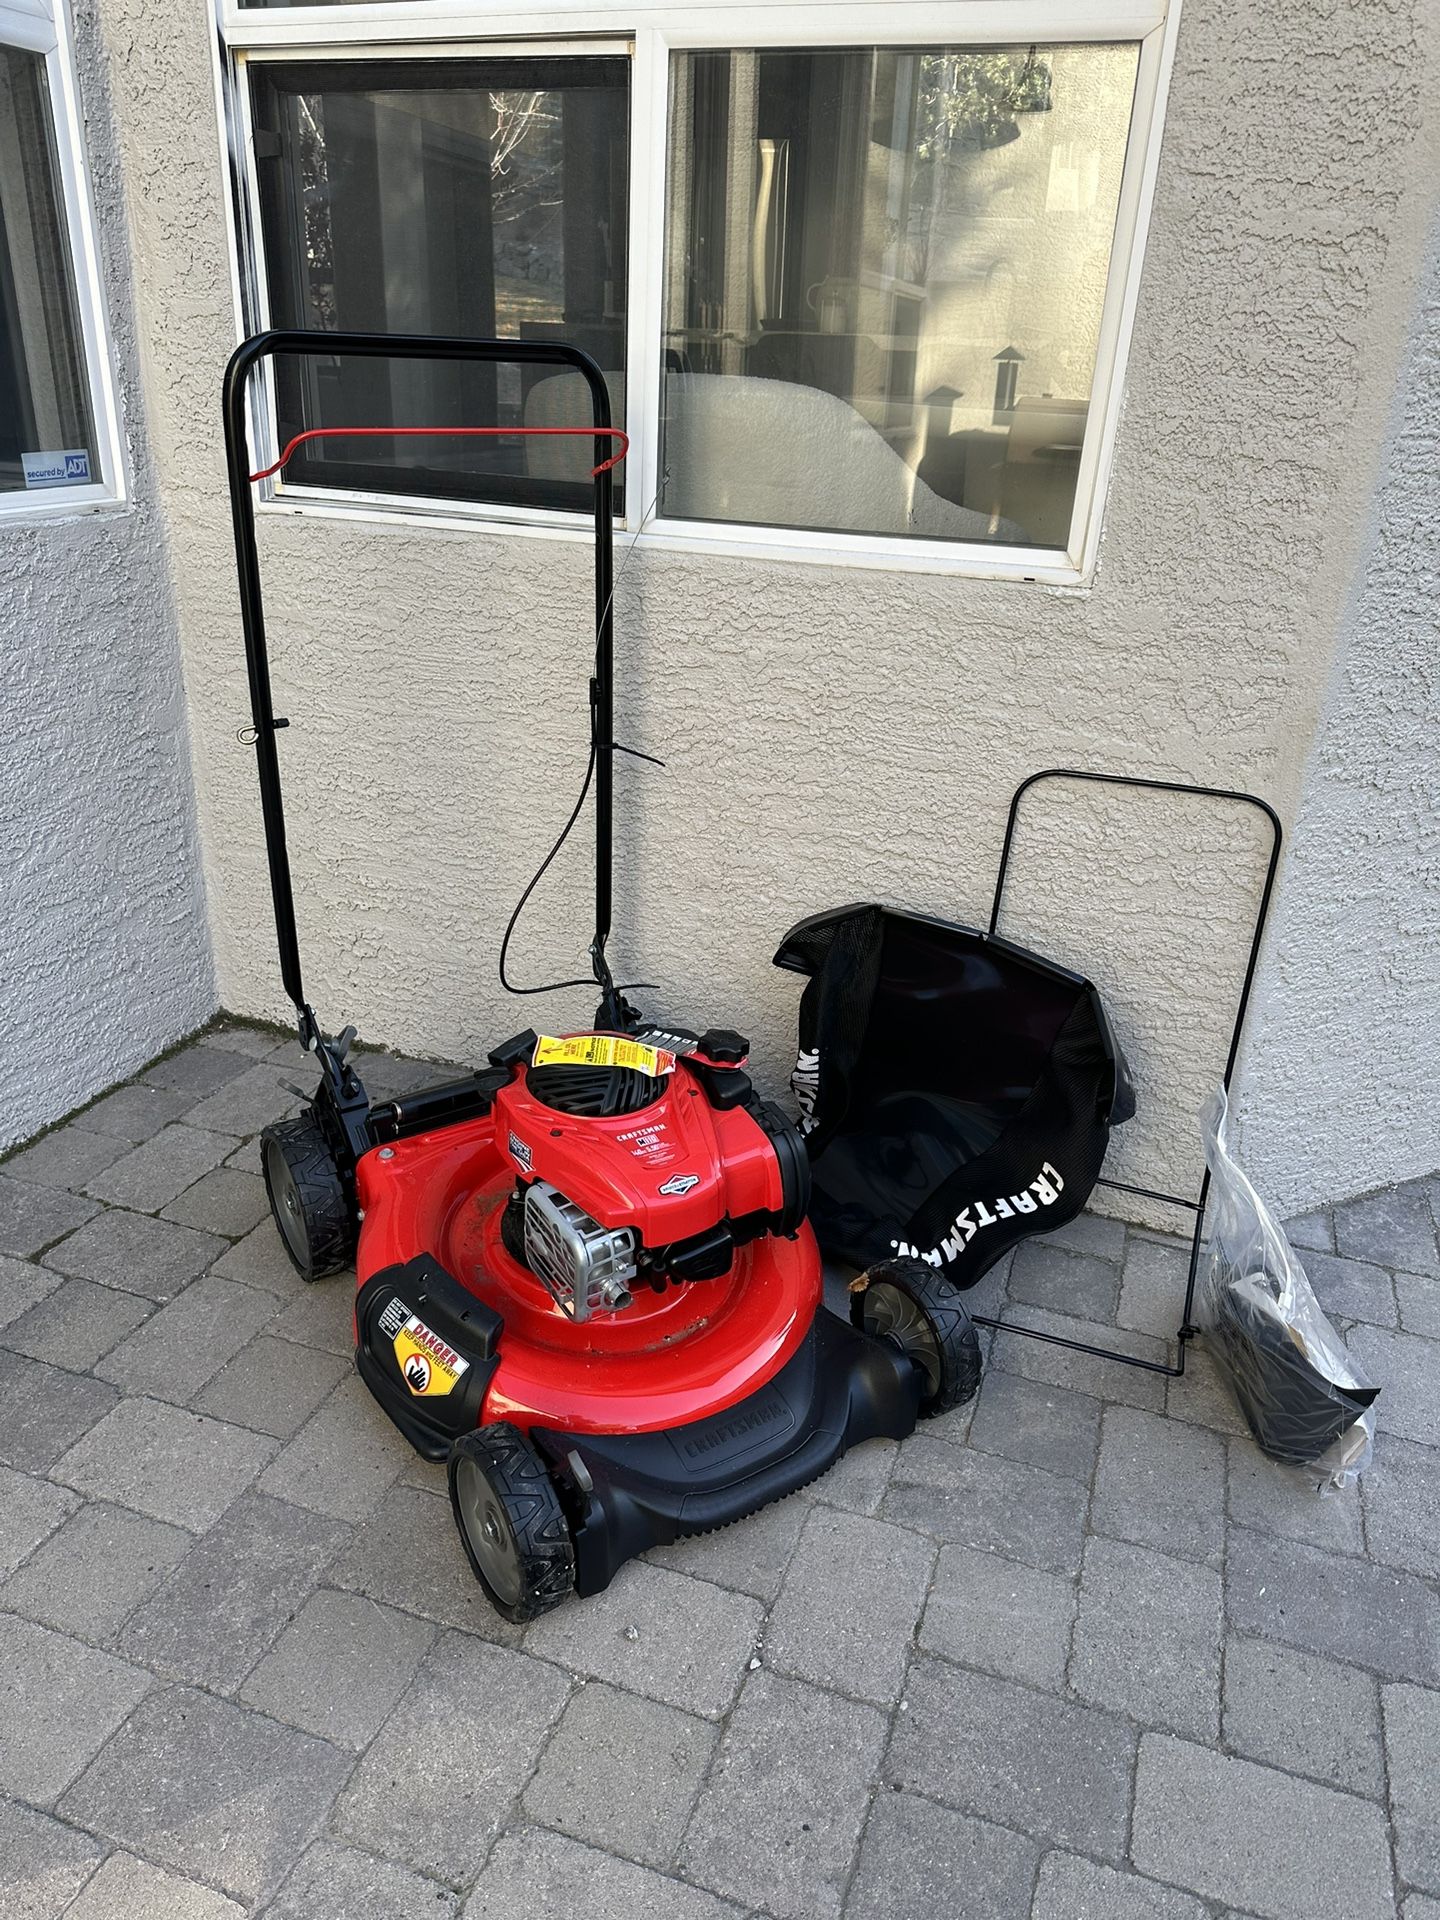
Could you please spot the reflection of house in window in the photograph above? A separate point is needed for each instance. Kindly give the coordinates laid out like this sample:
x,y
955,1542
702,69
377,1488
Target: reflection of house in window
x,y
1007,375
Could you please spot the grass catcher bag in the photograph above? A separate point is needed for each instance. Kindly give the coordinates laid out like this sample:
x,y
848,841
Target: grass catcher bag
x,y
1305,1401
956,1092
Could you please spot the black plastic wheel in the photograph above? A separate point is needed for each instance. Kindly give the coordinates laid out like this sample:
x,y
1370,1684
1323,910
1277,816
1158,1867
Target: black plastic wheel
x,y
509,1516
307,1197
909,1303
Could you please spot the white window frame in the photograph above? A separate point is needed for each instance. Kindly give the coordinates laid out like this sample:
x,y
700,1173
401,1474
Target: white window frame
x,y
43,27
652,33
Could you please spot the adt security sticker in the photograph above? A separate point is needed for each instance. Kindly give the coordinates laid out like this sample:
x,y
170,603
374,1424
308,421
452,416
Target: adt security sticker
x,y
70,468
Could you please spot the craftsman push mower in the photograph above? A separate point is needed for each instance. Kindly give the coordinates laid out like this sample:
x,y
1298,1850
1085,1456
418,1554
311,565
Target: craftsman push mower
x,y
586,1274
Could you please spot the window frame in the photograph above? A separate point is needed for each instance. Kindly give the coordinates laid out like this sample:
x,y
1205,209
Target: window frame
x,y
651,33
43,27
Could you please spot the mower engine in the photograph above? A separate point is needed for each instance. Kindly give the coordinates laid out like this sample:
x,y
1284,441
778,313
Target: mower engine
x,y
639,1164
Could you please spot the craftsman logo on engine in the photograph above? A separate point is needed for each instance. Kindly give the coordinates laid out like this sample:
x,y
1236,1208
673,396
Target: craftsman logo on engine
x,y
427,1365
520,1153
680,1183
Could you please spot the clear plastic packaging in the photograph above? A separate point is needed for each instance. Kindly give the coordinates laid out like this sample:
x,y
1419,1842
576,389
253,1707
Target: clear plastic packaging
x,y
1302,1395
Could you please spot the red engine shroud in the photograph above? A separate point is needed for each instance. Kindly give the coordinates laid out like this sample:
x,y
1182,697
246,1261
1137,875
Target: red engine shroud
x,y
670,1357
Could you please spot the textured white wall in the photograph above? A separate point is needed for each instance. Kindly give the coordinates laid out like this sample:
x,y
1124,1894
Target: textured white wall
x,y
835,733
104,953
1346,1038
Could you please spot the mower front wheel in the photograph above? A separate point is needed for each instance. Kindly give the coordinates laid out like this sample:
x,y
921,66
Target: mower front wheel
x,y
510,1519
918,1310
307,1197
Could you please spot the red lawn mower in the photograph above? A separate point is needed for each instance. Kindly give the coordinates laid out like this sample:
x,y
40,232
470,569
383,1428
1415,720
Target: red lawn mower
x,y
586,1277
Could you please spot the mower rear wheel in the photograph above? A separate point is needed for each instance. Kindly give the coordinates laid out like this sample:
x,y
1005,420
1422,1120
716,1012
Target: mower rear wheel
x,y
307,1197
510,1518
918,1310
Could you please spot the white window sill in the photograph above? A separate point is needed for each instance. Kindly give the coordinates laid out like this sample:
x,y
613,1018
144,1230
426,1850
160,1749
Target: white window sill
x,y
23,510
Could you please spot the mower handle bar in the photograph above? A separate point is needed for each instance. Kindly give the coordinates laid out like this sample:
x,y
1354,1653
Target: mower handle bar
x,y
313,345
296,441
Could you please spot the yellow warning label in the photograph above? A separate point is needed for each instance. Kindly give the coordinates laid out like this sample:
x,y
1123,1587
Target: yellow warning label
x,y
428,1365
601,1050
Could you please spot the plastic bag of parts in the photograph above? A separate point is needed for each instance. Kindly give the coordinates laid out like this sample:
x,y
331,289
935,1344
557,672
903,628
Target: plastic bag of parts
x,y
1304,1399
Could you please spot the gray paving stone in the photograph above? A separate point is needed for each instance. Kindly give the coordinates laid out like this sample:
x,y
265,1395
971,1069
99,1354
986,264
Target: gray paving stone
x,y
30,1511
409,1555
1400,1495
1309,1231
1307,1715
344,1459
816,1632
1392,1229
989,1612
63,1701
699,1669
76,1324
196,1784
1409,1374
246,1157
1419,1303
43,1863
319,1316
1147,1638
1152,1289
163,1461
252,1100
222,1201
588,1783
545,1876
973,1499
230,1598
149,1176
918,1857
1045,1275
1347,1609
245,1037
337,1883
1048,1767
1291,1849
134,1113
44,1410
88,1578
129,1889
1419,1906
1352,1289
155,1258
178,1350
22,1283
1091,1233
339,1667
1161,1484
195,1070
750,1557
1202,1395
779,1818
66,1157
1083,1373
1042,1426
272,1385
32,1217
1275,1498
1412,1744
858,1479
260,1260
434,1788
1070,1888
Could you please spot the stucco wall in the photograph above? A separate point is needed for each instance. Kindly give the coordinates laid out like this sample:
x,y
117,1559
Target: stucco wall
x,y
835,733
1347,1031
104,952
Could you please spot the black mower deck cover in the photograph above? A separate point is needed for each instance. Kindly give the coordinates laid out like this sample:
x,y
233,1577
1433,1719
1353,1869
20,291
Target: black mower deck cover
x,y
958,1092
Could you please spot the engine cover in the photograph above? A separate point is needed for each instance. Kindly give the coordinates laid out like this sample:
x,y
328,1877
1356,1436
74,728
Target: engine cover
x,y
687,1163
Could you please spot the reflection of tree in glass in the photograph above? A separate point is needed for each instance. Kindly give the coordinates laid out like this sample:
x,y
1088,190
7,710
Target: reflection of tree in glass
x,y
315,209
526,191
972,99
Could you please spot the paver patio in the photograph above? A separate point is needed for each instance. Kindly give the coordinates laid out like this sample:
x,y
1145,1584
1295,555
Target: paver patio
x,y
1078,1652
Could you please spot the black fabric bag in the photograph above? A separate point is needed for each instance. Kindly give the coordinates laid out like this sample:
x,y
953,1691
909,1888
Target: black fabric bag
x,y
957,1092
1294,1408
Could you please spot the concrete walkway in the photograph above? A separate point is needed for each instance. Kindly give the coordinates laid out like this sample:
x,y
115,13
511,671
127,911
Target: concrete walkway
x,y
1078,1652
